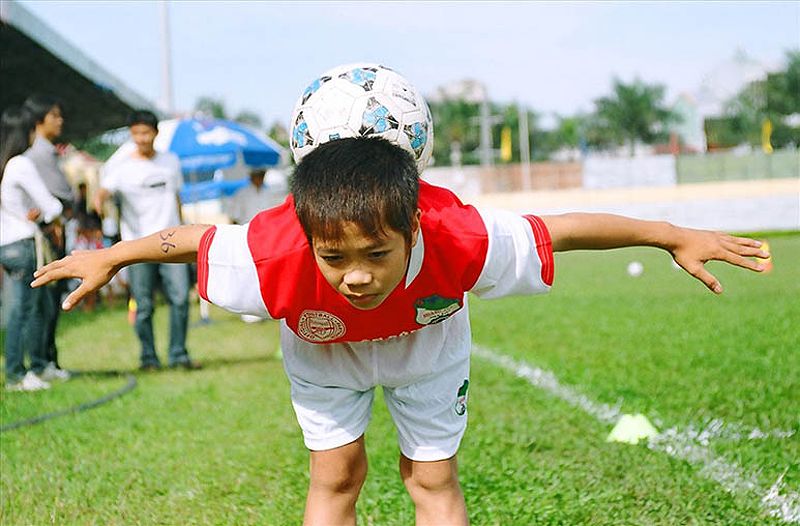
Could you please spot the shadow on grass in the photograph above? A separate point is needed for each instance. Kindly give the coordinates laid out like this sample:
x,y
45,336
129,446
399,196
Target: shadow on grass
x,y
215,363
129,386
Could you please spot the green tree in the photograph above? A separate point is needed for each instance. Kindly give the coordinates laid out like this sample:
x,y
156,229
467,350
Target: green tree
x,y
455,121
249,118
633,112
211,107
279,133
775,97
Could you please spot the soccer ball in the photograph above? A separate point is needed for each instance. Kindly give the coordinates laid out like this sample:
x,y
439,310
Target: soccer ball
x,y
362,100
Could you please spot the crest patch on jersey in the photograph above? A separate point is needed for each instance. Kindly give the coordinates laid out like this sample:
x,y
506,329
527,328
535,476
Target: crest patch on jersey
x,y
319,326
435,309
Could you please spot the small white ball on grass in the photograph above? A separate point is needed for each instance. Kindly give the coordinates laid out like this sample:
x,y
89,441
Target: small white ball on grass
x,y
635,269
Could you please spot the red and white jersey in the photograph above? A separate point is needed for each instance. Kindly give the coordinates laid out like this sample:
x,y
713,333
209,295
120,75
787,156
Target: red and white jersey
x,y
267,268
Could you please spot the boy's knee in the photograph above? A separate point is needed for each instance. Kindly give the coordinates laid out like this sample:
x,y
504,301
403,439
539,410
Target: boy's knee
x,y
429,477
339,472
345,481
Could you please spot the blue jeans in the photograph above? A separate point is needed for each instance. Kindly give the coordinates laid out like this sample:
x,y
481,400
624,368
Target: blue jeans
x,y
52,310
26,312
175,285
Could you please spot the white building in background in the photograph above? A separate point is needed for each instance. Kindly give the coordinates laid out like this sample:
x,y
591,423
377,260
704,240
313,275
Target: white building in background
x,y
726,79
723,82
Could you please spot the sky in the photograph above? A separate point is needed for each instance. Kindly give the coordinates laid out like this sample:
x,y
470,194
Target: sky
x,y
554,57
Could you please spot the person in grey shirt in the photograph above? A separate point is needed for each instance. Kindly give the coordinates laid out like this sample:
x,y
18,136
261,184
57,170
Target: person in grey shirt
x,y
47,114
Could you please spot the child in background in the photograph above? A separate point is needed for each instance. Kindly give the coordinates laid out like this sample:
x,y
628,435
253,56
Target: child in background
x,y
89,237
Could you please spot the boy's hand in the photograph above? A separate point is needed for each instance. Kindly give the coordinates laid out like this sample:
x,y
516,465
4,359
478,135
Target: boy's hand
x,y
693,248
33,214
93,267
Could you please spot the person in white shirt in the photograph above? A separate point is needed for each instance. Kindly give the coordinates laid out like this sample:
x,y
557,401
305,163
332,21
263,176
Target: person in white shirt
x,y
147,183
253,198
48,123
25,201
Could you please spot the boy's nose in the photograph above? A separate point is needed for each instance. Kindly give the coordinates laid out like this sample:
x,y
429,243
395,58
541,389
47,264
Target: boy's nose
x,y
357,277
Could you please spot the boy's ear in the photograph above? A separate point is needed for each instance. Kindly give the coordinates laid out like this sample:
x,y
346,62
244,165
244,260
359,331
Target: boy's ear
x,y
415,227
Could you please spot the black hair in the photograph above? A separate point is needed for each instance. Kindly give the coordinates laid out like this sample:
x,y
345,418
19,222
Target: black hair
x,y
39,105
146,117
363,180
16,126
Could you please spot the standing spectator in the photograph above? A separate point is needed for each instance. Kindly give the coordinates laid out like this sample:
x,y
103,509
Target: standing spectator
x,y
24,199
245,204
147,184
48,120
252,199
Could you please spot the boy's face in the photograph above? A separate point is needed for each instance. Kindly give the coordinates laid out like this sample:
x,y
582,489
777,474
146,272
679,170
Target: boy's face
x,y
143,136
362,269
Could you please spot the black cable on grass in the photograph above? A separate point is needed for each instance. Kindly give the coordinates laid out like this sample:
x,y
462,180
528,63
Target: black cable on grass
x,y
130,386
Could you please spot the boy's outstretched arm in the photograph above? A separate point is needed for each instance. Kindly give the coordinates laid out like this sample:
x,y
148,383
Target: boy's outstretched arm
x,y
690,248
95,268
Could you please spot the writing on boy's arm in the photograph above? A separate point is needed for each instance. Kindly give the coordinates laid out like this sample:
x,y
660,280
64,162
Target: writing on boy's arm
x,y
95,268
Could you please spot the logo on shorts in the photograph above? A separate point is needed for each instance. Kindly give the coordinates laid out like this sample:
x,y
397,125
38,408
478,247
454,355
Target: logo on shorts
x,y
461,401
435,309
319,326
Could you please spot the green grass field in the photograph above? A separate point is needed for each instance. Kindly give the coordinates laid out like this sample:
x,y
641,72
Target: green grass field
x,y
220,446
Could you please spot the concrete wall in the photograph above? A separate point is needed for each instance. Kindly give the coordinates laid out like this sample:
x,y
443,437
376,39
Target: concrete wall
x,y
470,181
628,172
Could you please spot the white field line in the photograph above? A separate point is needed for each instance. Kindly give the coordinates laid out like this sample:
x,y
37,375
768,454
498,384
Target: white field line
x,y
689,444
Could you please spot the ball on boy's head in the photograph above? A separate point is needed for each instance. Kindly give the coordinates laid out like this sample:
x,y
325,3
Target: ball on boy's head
x,y
635,269
362,100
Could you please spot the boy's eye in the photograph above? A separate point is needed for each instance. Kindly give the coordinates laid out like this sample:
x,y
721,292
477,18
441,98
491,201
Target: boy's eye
x,y
378,254
331,259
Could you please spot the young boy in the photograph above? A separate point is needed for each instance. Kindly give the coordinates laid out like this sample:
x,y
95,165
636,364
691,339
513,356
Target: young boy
x,y
368,269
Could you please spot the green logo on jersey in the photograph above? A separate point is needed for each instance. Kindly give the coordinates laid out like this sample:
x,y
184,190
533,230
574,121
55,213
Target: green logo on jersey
x,y
435,309
461,400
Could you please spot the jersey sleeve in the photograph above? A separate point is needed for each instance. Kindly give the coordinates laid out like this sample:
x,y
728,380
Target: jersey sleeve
x,y
519,257
226,273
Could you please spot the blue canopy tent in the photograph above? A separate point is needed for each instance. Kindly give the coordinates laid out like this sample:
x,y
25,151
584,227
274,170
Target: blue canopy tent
x,y
207,145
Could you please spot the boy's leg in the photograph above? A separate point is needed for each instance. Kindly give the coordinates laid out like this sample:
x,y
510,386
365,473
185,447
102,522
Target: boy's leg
x,y
430,414
435,490
336,479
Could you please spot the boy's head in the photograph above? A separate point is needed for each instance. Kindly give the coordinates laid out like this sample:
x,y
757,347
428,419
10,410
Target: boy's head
x,y
356,200
47,115
143,125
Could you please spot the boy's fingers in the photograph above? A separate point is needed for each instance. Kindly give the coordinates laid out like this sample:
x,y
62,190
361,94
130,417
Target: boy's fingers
x,y
746,241
706,277
75,296
745,249
741,261
45,275
751,252
47,268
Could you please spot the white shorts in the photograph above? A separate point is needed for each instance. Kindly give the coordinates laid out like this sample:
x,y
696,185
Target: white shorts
x,y
424,375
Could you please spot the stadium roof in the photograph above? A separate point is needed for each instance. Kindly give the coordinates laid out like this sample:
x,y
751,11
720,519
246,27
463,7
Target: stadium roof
x,y
36,59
